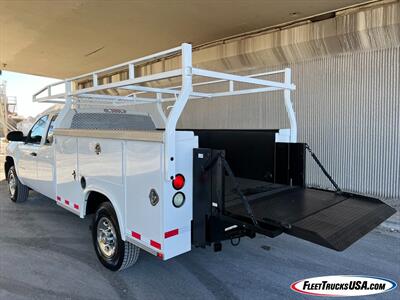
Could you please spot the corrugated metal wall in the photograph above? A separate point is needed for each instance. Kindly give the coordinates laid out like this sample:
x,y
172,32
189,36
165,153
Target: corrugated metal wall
x,y
347,108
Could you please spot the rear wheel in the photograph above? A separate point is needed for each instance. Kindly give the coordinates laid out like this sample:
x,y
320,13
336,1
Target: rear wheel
x,y
114,253
18,191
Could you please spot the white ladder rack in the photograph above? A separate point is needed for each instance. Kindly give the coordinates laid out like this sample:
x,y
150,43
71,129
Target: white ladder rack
x,y
180,95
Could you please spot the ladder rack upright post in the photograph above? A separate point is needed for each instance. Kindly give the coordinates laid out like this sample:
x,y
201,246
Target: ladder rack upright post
x,y
289,106
177,109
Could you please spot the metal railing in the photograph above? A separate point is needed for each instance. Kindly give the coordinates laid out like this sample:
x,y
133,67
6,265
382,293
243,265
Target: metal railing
x,y
7,107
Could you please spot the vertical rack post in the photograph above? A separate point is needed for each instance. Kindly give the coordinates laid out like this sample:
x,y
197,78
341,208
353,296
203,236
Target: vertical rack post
x,y
160,108
131,71
180,103
289,106
68,103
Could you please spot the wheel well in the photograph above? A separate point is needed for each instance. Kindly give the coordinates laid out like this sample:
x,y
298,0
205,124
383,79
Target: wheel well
x,y
94,200
8,164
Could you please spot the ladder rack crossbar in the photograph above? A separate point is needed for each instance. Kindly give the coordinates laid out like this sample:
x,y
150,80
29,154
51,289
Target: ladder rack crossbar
x,y
120,84
217,81
129,64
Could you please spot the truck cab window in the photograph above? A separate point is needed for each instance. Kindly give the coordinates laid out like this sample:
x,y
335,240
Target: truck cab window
x,y
50,131
37,131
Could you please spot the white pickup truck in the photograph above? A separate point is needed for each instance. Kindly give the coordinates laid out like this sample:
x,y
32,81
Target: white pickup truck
x,y
118,156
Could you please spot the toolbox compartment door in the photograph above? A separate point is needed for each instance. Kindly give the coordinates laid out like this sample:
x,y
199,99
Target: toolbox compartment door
x,y
322,217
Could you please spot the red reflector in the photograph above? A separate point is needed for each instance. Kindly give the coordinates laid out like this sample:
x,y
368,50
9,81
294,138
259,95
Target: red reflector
x,y
58,198
66,202
160,255
155,244
178,182
76,206
136,235
171,233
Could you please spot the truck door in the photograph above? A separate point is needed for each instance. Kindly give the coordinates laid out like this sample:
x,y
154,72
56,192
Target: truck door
x,y
27,163
45,164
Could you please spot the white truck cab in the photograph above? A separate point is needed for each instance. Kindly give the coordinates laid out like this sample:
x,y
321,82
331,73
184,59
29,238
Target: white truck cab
x,y
34,158
118,156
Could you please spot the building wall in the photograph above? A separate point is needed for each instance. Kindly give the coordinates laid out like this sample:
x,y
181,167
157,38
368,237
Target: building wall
x,y
348,111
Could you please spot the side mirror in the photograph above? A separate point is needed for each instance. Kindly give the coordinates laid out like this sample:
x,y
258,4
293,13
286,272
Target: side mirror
x,y
15,136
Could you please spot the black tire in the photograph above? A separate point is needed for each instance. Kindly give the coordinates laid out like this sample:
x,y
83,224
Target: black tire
x,y
20,192
125,253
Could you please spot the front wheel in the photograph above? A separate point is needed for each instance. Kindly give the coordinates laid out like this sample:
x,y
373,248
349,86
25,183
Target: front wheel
x,y
18,191
114,253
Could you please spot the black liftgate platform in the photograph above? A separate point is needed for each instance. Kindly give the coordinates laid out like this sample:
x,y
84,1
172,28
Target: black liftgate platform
x,y
245,183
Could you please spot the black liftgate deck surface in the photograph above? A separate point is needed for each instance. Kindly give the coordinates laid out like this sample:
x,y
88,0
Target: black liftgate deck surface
x,y
332,220
272,181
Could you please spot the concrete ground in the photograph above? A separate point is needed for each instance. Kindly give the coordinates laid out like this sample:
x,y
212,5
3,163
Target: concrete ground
x,y
46,253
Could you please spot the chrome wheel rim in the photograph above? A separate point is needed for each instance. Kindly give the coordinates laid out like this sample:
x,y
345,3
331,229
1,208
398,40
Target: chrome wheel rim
x,y
12,183
106,237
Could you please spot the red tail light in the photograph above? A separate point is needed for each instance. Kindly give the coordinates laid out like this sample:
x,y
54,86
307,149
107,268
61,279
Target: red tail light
x,y
178,182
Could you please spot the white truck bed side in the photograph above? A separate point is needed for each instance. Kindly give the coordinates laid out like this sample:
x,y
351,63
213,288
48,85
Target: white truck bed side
x,y
127,167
